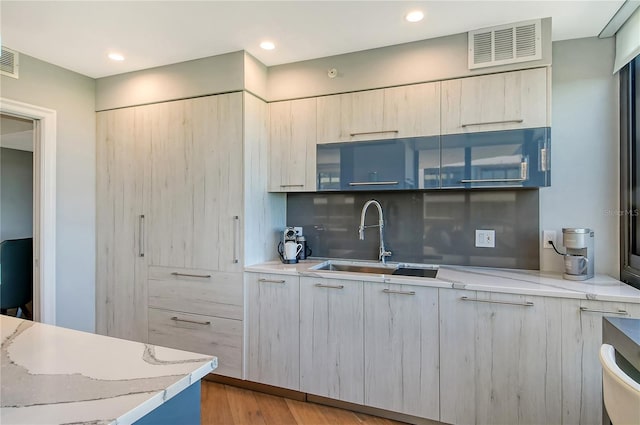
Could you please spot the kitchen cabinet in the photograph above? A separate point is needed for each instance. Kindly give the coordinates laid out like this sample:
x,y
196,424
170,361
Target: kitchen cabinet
x,y
503,101
407,111
581,369
332,338
412,163
122,179
401,349
500,358
513,158
273,330
292,146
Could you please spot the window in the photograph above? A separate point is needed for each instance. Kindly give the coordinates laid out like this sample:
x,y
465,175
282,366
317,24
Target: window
x,y
630,172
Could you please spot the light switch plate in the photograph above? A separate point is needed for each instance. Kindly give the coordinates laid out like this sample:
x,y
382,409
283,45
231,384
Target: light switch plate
x,y
485,238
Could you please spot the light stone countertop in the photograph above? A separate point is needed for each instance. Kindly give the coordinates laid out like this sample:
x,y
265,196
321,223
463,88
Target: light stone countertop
x,y
512,281
53,375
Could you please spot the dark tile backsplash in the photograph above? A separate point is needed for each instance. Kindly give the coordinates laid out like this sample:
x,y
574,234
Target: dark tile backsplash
x,y
423,227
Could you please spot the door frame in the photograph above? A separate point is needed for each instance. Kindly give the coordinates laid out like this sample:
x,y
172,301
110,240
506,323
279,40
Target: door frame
x,y
44,243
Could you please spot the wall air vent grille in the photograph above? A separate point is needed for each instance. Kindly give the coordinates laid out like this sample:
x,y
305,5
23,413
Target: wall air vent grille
x,y
9,62
505,44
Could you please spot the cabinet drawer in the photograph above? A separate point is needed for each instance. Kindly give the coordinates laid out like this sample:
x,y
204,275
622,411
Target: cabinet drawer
x,y
196,291
201,334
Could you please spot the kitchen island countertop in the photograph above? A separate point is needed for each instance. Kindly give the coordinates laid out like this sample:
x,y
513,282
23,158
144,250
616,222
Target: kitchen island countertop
x,y
55,375
514,281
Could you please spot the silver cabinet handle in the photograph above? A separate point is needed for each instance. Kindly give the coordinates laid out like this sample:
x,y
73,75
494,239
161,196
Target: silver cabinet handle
x,y
391,291
141,235
492,122
271,281
362,133
524,304
321,285
236,241
202,276
491,180
291,185
592,310
177,319
389,183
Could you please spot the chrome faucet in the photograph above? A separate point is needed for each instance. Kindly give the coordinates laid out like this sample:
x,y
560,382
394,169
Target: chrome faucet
x,y
383,253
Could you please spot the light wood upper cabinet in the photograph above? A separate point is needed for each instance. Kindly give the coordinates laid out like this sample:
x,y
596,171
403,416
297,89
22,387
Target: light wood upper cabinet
x,y
332,338
406,111
413,110
500,358
292,153
196,188
401,349
581,368
505,101
122,177
273,330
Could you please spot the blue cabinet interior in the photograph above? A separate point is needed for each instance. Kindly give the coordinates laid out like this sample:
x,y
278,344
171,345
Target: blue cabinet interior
x,y
513,158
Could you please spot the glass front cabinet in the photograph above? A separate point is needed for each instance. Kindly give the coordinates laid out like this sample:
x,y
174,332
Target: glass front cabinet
x,y
512,158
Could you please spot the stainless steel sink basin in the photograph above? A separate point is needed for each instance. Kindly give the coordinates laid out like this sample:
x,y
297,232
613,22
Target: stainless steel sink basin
x,y
398,269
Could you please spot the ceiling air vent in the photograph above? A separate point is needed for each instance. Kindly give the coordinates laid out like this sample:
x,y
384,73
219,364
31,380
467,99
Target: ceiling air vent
x,y
9,62
505,44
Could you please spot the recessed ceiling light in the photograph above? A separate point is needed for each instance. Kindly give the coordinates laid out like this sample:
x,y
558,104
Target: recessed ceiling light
x,y
116,57
415,16
267,45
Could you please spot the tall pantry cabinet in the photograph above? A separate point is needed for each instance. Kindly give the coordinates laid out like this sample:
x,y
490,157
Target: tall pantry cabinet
x,y
179,188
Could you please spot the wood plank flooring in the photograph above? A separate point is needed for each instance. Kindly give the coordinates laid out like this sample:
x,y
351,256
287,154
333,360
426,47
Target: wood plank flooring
x,y
228,405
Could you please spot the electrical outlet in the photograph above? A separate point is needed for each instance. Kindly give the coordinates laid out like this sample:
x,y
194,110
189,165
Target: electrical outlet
x,y
548,236
485,238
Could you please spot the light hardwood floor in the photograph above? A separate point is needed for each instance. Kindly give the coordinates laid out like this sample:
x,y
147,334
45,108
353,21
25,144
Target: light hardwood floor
x,y
228,405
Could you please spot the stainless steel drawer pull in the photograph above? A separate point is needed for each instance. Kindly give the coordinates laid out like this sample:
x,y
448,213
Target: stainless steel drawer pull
x,y
320,285
391,291
236,239
362,133
524,304
592,310
491,180
271,281
291,185
177,319
141,236
202,276
389,183
492,122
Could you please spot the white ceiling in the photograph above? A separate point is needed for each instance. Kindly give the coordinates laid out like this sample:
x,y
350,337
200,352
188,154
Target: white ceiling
x,y
78,35
16,133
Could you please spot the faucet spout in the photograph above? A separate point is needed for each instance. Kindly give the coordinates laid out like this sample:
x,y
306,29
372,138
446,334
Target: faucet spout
x,y
383,253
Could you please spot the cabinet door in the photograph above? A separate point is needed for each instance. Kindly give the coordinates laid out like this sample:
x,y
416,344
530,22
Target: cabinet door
x,y
331,339
500,358
581,369
352,117
122,177
412,111
196,187
504,101
401,349
514,158
273,330
292,153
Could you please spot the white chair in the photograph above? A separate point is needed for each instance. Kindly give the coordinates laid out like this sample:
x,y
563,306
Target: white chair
x,y
621,393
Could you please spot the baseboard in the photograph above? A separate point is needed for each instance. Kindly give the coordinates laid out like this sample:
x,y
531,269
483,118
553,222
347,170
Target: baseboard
x,y
255,386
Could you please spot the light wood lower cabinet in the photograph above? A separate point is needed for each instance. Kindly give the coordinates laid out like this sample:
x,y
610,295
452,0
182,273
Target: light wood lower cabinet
x,y
581,369
500,358
332,338
401,349
198,310
273,329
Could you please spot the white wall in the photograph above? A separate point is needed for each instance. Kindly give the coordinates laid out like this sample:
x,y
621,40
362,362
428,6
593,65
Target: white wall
x,y
584,150
72,96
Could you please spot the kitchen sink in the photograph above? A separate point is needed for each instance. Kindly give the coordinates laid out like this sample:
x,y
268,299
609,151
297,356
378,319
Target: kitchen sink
x,y
398,269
